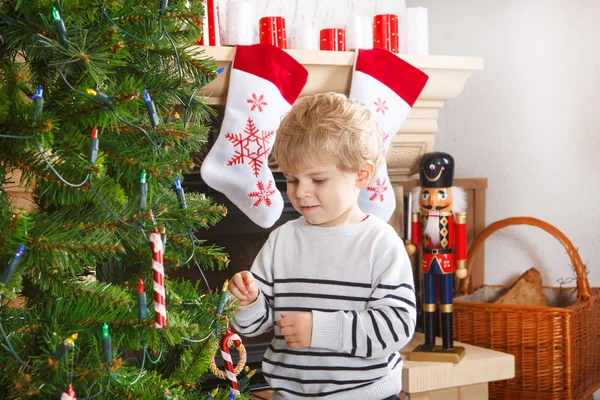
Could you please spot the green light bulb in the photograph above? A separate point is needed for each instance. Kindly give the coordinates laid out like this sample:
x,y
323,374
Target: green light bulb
x,y
105,331
56,14
143,176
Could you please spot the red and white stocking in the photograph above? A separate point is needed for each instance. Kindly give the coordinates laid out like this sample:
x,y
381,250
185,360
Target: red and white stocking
x,y
264,83
388,86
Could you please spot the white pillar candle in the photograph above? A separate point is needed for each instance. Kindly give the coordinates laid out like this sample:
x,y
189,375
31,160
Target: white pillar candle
x,y
359,33
304,38
239,23
417,32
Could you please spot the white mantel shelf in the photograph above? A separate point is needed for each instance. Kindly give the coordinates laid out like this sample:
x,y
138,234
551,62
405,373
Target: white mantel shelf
x,y
331,71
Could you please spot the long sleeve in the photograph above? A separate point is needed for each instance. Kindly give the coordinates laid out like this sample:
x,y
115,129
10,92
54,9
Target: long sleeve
x,y
257,318
387,323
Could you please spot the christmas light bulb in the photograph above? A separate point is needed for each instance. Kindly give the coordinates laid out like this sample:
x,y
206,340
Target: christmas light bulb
x,y
245,379
223,297
103,97
142,307
55,14
65,346
13,264
71,339
93,151
180,194
163,234
142,190
151,109
38,104
59,26
38,92
106,344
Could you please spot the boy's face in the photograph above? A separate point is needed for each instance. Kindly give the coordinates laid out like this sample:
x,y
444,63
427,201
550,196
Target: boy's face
x,y
324,195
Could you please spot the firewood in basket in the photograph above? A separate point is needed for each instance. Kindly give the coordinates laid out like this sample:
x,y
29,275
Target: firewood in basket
x,y
527,291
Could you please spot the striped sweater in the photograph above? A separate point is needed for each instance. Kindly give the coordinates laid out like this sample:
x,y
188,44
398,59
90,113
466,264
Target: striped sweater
x,y
357,282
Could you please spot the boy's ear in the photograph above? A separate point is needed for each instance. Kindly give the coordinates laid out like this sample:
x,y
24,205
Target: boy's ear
x,y
365,174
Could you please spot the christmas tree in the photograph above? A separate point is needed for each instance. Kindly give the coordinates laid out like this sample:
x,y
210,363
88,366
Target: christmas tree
x,y
100,113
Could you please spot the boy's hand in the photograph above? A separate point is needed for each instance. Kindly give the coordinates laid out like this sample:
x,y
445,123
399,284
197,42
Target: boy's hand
x,y
296,329
243,286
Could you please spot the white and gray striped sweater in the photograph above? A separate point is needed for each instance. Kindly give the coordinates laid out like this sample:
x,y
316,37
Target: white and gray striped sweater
x,y
357,281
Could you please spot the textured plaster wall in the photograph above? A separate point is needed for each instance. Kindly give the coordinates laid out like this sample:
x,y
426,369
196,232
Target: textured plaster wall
x,y
529,122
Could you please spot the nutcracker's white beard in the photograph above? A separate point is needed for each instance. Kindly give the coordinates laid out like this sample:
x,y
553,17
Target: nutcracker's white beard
x,y
432,228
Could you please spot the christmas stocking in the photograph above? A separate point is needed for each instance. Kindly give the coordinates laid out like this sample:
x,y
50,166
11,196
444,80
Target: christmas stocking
x,y
388,86
264,83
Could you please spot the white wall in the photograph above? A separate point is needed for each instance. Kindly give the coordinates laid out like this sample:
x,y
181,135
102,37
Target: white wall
x,y
529,122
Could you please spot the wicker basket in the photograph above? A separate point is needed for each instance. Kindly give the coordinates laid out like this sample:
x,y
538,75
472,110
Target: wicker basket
x,y
556,348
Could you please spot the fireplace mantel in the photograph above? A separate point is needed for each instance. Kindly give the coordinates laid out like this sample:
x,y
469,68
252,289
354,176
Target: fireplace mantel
x,y
331,71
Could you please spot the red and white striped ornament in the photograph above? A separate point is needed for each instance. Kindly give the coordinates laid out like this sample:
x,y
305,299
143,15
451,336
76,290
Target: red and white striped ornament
x,y
159,279
69,394
211,25
227,360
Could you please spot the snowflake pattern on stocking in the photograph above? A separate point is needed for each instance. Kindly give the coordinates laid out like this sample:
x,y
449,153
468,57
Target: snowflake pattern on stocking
x,y
257,102
378,190
251,147
263,194
380,104
386,137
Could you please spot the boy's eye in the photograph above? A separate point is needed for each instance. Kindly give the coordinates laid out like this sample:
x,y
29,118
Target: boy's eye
x,y
319,180
292,181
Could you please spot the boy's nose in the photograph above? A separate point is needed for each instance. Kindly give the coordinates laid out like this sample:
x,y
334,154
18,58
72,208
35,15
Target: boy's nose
x,y
303,190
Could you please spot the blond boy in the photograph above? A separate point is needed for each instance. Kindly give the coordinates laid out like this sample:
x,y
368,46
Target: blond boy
x,y
336,284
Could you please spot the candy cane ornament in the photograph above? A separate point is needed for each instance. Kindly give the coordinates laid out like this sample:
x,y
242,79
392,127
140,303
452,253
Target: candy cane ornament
x,y
159,279
230,339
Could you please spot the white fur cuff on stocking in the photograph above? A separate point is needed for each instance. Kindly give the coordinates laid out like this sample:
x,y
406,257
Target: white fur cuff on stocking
x,y
264,83
388,86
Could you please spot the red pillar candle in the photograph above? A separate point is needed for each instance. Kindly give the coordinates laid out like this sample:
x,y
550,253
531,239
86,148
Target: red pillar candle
x,y
385,32
333,39
211,25
272,31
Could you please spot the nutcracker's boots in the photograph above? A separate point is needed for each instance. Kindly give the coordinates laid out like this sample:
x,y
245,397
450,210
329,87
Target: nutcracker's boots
x,y
429,325
446,311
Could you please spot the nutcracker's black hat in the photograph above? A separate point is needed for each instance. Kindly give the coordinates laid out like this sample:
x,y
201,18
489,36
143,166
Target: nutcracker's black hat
x,y
436,170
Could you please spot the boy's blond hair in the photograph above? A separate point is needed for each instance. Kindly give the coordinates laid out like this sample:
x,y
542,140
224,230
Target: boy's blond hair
x,y
328,127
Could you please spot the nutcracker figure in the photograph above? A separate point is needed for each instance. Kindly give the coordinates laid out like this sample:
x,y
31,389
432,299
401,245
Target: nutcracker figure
x,y
438,229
